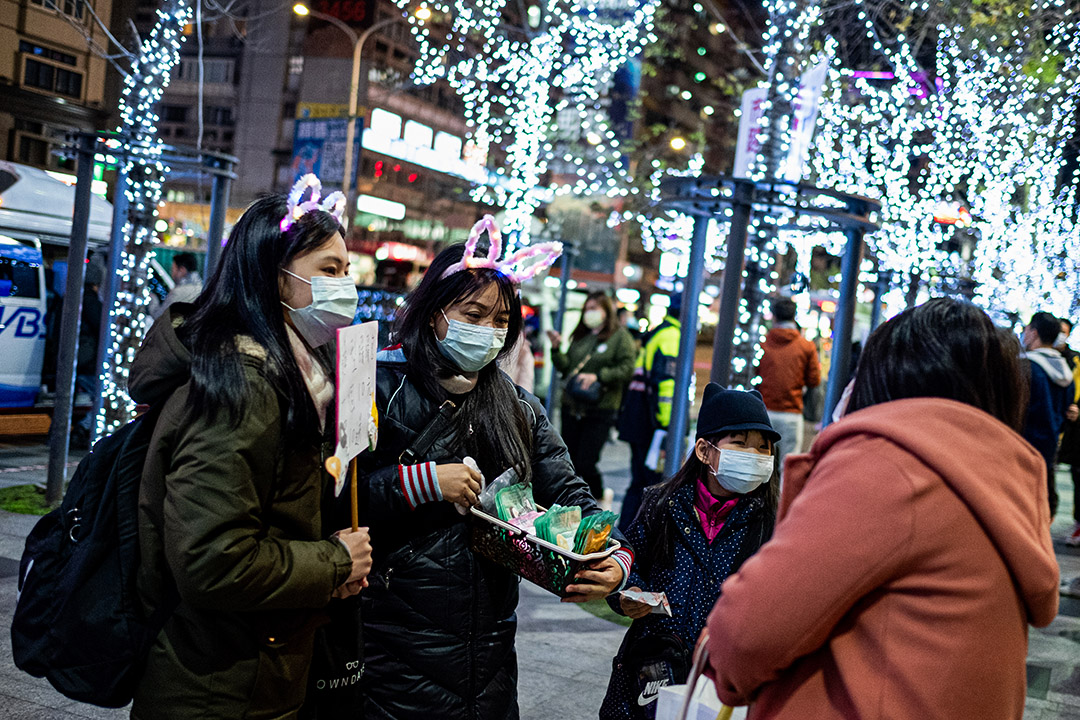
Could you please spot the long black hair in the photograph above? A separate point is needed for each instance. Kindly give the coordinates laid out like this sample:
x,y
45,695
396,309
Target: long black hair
x,y
944,348
660,529
243,299
490,422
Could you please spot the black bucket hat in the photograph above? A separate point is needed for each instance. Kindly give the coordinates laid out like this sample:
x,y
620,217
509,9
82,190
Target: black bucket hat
x,y
727,411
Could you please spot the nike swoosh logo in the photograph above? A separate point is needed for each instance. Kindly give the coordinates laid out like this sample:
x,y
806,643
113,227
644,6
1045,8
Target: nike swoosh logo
x,y
643,701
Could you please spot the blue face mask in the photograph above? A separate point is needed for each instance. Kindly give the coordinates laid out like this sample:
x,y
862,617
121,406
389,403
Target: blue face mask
x,y
470,347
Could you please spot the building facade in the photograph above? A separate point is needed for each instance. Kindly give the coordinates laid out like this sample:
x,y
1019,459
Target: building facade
x,y
52,76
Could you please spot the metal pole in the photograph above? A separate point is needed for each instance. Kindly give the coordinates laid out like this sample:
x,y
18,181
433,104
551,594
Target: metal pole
x,y
884,280
731,288
680,402
560,314
350,129
219,204
839,369
108,290
354,100
59,437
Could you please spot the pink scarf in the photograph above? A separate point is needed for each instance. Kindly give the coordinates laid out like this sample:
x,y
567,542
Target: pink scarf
x,y
711,510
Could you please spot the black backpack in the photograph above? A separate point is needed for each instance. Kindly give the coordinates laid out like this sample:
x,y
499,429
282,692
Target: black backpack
x,y
78,621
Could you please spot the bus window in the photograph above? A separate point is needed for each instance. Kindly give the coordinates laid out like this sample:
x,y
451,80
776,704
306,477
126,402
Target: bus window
x,y
19,278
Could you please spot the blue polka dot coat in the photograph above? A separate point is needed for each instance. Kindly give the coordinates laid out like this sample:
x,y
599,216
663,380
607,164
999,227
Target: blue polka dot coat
x,y
691,580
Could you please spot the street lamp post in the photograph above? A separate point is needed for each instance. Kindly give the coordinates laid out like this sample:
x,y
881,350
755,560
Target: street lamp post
x,y
354,86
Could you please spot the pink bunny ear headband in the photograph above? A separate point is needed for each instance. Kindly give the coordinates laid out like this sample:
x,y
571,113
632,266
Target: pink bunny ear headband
x,y
512,267
333,204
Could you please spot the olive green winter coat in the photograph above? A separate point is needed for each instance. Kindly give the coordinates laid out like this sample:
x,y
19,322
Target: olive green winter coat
x,y
612,360
231,515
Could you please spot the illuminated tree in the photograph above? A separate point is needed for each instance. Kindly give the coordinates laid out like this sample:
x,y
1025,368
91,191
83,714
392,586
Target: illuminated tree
x,y
143,86
983,133
527,78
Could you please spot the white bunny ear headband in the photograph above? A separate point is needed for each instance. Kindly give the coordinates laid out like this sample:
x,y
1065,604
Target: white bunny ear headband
x,y
512,267
298,207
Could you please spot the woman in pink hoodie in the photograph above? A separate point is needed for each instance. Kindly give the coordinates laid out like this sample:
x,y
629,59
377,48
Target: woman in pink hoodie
x,y
912,546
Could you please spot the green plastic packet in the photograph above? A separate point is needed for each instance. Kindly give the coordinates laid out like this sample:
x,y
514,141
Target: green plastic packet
x,y
560,526
594,532
513,501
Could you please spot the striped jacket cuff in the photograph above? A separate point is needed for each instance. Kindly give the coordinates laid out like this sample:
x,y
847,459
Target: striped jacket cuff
x,y
419,483
625,558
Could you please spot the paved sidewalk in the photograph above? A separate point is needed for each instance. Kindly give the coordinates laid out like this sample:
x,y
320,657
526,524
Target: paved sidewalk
x,y
564,653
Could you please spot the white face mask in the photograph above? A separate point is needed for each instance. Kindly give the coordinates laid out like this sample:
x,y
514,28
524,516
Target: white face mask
x,y
469,346
742,472
841,404
593,318
333,306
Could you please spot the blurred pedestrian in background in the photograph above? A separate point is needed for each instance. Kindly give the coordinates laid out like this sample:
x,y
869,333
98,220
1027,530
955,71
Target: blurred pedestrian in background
x,y
788,364
1069,451
595,369
230,520
439,622
692,532
912,545
1052,392
187,283
87,372
646,411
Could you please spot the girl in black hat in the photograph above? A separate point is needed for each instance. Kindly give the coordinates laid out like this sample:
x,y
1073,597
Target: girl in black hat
x,y
691,533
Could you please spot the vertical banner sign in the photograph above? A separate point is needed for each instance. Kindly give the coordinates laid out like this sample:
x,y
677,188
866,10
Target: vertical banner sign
x,y
319,148
357,419
803,120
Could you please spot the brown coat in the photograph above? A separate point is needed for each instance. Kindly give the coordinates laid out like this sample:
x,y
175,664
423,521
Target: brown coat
x,y
911,551
789,364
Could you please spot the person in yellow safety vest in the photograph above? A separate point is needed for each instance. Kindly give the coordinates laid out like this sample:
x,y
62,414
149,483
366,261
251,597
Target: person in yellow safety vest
x,y
647,404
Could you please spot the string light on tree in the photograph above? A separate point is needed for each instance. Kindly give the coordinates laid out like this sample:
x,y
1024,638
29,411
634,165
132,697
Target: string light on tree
x,y
524,92
985,135
143,87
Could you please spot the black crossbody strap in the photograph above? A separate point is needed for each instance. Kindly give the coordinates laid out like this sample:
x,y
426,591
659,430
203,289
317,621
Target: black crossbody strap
x,y
427,437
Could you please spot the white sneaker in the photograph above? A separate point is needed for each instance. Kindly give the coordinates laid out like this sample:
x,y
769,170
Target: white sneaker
x,y
1073,538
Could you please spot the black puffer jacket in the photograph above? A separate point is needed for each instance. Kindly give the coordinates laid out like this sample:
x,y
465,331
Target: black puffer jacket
x,y
439,622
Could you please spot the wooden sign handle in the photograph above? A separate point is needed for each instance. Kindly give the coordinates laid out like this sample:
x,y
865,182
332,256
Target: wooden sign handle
x,y
353,499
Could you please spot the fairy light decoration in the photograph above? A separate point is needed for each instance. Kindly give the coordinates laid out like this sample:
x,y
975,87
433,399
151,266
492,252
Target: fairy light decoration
x,y
989,132
143,87
521,92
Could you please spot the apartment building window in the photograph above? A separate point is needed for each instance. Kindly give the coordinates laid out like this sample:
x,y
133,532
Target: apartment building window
x,y
174,113
60,57
215,70
219,116
51,78
72,8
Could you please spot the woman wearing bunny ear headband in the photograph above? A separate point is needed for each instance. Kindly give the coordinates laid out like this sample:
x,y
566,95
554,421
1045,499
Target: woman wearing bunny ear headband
x,y
230,517
439,622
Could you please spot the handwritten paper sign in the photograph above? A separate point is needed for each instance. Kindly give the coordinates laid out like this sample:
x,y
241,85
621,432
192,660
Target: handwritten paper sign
x,y
357,418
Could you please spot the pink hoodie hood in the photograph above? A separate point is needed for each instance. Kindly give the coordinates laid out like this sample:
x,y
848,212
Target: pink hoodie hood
x,y
985,463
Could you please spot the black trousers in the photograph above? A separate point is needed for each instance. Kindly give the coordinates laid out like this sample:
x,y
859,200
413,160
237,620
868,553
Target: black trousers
x,y
1074,470
585,437
641,477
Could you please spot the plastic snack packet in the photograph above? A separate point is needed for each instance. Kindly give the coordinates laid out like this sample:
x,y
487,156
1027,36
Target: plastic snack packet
x,y
561,526
657,600
527,521
513,501
594,531
487,497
